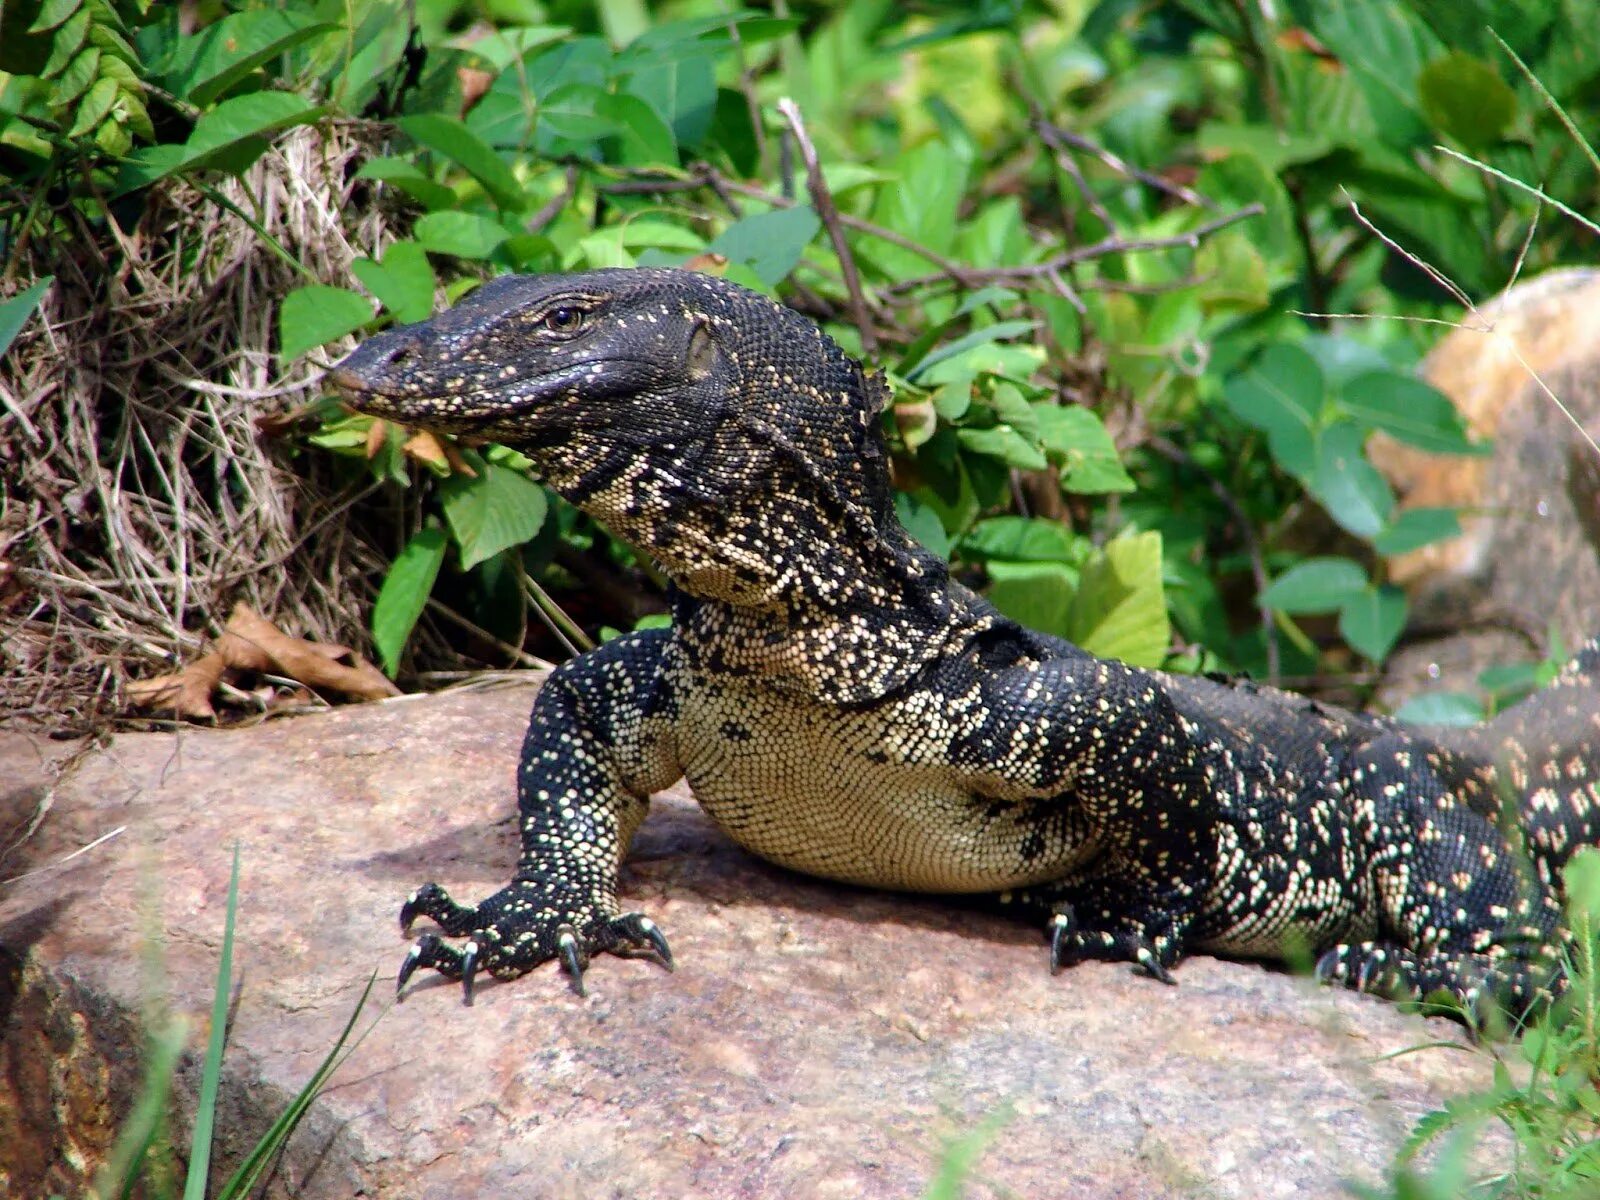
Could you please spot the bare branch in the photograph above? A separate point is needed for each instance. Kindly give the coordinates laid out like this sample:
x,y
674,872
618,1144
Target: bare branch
x,y
822,199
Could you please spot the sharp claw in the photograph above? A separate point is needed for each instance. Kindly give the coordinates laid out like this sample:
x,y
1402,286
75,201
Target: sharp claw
x,y
1060,927
1369,971
567,941
1326,967
658,940
408,913
412,962
469,968
1152,966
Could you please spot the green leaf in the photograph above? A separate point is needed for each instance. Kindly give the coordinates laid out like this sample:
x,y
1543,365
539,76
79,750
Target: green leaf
x,y
52,13
1581,885
1383,45
404,281
404,175
66,42
568,121
1317,585
1024,539
95,105
922,523
246,116
1076,438
75,80
230,136
1119,610
734,133
1413,528
645,139
681,87
1006,444
1408,409
1000,331
14,313
1466,99
206,65
1035,594
1442,708
1372,621
451,139
1349,486
769,243
316,314
1281,393
404,594
933,180
1342,358
499,509
463,234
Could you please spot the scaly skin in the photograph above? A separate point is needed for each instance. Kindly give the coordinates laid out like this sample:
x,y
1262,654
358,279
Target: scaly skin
x,y
841,705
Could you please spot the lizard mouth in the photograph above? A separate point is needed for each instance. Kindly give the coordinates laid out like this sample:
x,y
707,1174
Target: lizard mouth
x,y
477,403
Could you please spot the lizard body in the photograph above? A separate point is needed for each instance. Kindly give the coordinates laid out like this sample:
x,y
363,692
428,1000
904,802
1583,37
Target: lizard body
x,y
841,705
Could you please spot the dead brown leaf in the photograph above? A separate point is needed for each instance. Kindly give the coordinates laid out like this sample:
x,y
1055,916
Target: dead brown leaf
x,y
186,692
309,662
707,263
377,436
426,447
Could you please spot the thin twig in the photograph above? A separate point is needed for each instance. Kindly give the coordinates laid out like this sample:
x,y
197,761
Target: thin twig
x,y
709,177
828,212
1101,249
516,653
551,208
1416,260
1539,193
1060,139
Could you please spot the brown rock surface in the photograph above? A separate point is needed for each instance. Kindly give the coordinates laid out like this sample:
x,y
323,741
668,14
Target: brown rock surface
x,y
816,1041
1528,557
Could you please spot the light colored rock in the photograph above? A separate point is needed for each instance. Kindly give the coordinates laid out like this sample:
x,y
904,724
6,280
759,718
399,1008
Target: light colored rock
x,y
1528,558
816,1041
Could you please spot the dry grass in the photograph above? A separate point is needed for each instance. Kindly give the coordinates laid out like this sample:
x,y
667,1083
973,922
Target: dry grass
x,y
139,501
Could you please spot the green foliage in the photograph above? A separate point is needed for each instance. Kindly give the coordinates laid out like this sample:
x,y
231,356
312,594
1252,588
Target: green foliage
x,y
1043,297
1545,1091
14,313
405,593
1500,687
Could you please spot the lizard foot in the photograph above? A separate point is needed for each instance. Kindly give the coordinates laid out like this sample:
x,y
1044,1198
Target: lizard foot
x,y
1070,944
1473,983
513,931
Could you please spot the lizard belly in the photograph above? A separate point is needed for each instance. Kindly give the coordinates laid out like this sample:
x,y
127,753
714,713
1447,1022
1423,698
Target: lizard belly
x,y
864,796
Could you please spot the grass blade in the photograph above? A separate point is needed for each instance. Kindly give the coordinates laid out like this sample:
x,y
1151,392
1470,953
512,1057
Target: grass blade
x,y
194,1187
1555,106
122,1166
272,1141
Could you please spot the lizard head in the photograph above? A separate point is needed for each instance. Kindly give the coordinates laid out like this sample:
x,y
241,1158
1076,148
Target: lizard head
x,y
659,400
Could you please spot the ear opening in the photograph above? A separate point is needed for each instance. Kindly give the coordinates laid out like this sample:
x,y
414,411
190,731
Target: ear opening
x,y
702,356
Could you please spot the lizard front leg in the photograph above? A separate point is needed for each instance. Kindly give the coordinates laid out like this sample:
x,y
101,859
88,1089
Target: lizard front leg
x,y
1105,745
598,744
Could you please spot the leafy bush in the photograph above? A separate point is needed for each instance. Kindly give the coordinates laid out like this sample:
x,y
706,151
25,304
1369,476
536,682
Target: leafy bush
x,y
1092,247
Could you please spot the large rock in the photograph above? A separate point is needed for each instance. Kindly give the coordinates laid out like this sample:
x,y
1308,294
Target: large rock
x,y
816,1040
1528,558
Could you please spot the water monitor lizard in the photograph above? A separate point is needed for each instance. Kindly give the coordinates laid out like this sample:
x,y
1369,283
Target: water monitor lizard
x,y
843,706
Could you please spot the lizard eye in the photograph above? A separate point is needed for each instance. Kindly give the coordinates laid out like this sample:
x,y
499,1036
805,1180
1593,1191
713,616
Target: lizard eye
x,y
564,319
